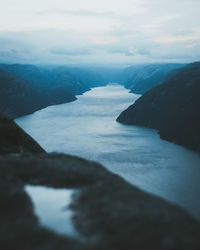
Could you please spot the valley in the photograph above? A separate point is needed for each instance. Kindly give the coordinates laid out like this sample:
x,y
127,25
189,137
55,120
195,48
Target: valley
x,y
87,128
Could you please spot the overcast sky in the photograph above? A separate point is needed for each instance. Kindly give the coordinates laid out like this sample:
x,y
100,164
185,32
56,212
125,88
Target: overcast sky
x,y
99,31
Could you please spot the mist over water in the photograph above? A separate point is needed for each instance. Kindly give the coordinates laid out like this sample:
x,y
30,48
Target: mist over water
x,y
87,128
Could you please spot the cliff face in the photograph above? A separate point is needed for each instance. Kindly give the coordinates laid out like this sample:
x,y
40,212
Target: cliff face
x,y
142,78
172,108
14,140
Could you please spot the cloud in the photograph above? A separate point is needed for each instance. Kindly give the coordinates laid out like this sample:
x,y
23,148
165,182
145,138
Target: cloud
x,y
97,32
70,52
123,51
84,13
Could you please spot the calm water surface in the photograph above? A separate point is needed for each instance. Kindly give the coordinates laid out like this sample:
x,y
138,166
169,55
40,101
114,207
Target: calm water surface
x,y
52,208
87,128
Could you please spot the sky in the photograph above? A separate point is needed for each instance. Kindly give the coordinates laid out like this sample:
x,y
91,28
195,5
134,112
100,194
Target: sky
x,y
99,32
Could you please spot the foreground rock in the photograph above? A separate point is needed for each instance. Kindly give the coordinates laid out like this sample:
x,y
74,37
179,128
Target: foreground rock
x,y
172,108
14,140
109,213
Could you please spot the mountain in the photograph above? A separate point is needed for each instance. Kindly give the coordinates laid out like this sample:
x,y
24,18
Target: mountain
x,y
141,78
42,79
78,80
109,74
90,77
19,97
172,108
27,88
14,140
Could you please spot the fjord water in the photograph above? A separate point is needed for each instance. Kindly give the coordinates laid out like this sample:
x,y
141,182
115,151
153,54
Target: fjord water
x,y
88,128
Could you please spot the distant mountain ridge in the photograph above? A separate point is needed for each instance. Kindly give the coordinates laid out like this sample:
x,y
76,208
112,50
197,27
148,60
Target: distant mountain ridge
x,y
141,78
28,88
18,97
55,77
172,108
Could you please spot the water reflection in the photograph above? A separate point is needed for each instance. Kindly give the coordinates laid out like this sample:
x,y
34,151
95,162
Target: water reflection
x,y
52,208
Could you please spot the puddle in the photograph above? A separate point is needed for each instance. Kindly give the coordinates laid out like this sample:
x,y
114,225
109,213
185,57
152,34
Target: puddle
x,y
52,208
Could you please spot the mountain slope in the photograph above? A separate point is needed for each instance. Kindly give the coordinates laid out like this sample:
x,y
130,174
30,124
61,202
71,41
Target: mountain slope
x,y
41,78
74,80
18,97
142,78
172,108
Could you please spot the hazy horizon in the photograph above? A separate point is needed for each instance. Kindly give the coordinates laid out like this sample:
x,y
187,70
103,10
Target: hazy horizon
x,y
99,32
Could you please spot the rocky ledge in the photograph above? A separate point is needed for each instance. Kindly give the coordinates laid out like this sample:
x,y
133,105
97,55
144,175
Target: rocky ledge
x,y
109,213
14,140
